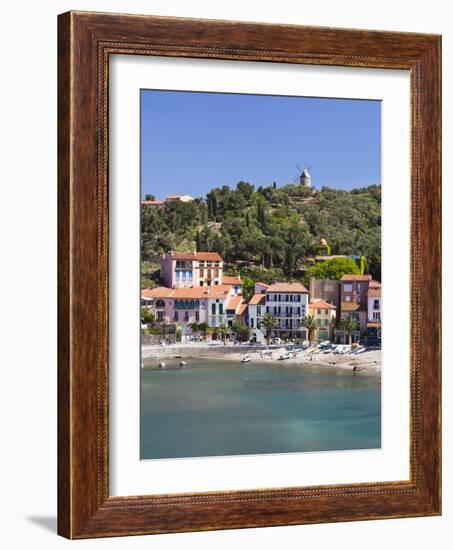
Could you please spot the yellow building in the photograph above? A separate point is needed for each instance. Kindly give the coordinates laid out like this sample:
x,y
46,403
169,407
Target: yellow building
x,y
326,315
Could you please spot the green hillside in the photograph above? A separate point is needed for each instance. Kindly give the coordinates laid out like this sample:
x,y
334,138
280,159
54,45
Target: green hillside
x,y
267,233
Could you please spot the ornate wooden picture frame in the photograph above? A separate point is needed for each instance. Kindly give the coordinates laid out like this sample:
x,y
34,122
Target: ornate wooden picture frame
x,y
85,508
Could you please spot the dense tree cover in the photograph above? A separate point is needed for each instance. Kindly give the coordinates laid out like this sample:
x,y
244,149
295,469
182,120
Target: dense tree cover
x,y
332,269
269,232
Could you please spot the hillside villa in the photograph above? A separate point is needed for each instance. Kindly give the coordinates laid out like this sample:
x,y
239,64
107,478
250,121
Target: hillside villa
x,y
170,198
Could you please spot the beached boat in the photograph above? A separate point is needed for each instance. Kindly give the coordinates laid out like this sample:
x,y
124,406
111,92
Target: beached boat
x,y
284,356
246,359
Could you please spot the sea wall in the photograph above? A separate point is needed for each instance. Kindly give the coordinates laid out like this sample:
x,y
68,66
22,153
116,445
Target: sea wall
x,y
193,351
155,339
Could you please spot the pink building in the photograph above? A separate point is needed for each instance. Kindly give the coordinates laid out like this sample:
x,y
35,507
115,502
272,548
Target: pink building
x,y
183,306
192,269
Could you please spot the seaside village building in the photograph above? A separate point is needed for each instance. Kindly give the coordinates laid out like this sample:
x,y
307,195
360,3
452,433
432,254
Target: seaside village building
x,y
286,302
374,313
193,269
325,313
197,291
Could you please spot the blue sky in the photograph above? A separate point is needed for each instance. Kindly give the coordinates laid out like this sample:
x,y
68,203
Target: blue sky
x,y
194,141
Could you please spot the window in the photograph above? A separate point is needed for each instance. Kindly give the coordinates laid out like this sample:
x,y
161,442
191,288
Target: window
x,y
186,316
160,315
376,316
183,264
213,309
160,304
359,287
348,298
376,304
175,316
201,272
201,283
347,287
251,323
326,322
258,311
319,311
216,273
220,309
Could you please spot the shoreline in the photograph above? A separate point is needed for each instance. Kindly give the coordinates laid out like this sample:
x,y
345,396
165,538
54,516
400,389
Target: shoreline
x,y
368,362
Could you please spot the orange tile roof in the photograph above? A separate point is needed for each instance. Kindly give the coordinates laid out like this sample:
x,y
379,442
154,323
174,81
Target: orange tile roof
x,y
208,256
242,309
262,284
195,256
373,324
356,278
234,302
159,292
321,304
181,255
287,287
227,280
374,292
349,306
199,292
257,299
215,291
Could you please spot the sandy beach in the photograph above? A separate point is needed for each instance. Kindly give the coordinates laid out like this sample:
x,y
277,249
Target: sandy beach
x,y
365,362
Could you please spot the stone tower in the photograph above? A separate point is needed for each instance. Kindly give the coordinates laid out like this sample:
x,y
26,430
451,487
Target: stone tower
x,y
305,178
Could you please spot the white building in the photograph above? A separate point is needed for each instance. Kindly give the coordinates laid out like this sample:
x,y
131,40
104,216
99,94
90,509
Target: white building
x,y
374,302
256,309
288,303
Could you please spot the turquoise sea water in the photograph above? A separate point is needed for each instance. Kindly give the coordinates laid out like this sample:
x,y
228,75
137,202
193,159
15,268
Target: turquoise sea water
x,y
212,408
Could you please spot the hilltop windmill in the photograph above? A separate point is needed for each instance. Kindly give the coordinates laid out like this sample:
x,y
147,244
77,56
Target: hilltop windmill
x,y
304,176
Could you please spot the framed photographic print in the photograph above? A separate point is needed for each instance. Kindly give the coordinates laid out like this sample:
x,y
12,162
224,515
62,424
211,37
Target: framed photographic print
x,y
249,275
